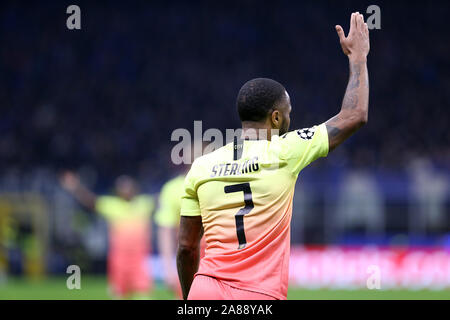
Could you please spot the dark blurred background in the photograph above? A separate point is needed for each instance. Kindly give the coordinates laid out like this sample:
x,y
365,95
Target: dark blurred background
x,y
105,99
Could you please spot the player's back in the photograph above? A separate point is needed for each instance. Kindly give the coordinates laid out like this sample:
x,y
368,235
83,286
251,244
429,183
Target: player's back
x,y
244,196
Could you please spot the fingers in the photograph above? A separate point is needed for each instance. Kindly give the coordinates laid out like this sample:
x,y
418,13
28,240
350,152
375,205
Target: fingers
x,y
362,26
366,29
357,24
352,22
340,32
360,23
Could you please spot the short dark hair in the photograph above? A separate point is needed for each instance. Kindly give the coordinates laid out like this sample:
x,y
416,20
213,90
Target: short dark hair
x,y
257,97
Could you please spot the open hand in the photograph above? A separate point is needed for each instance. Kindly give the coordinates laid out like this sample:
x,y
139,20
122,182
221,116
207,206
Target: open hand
x,y
356,45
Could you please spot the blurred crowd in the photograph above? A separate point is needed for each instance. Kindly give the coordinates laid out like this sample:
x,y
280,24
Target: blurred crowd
x,y
105,99
110,95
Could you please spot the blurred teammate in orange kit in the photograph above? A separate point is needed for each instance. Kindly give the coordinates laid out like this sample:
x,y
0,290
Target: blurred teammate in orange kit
x,y
128,215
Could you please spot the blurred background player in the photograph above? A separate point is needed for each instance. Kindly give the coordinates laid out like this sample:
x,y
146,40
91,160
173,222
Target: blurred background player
x,y
167,219
128,215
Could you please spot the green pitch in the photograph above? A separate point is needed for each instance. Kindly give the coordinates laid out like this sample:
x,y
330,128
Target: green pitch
x,y
95,288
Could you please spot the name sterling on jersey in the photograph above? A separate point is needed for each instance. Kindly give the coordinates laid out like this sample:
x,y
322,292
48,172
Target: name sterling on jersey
x,y
235,168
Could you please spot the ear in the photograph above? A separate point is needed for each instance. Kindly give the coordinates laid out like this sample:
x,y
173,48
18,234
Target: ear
x,y
276,118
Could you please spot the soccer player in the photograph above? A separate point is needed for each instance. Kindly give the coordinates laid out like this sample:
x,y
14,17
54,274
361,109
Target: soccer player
x,y
240,195
128,216
167,219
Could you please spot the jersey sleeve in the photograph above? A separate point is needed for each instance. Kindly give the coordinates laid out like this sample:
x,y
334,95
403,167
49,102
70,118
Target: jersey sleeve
x,y
189,201
301,147
108,206
169,208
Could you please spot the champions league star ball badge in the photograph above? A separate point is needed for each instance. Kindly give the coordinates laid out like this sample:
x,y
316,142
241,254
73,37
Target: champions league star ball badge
x,y
306,133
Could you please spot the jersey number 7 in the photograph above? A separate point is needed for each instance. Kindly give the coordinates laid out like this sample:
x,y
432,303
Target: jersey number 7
x,y
239,217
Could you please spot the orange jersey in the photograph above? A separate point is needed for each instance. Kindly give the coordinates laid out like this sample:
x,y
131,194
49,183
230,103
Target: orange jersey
x,y
245,203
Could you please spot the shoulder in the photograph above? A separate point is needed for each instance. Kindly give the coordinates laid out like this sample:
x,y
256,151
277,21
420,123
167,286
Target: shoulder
x,y
304,134
109,204
200,168
219,154
144,201
172,187
108,199
172,182
143,198
302,139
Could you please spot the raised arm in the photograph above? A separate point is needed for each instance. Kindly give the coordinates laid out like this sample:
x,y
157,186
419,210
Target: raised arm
x,y
72,183
355,105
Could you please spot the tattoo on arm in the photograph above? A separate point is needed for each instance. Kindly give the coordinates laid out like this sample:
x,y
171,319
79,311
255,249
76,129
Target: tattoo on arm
x,y
351,97
332,131
354,106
